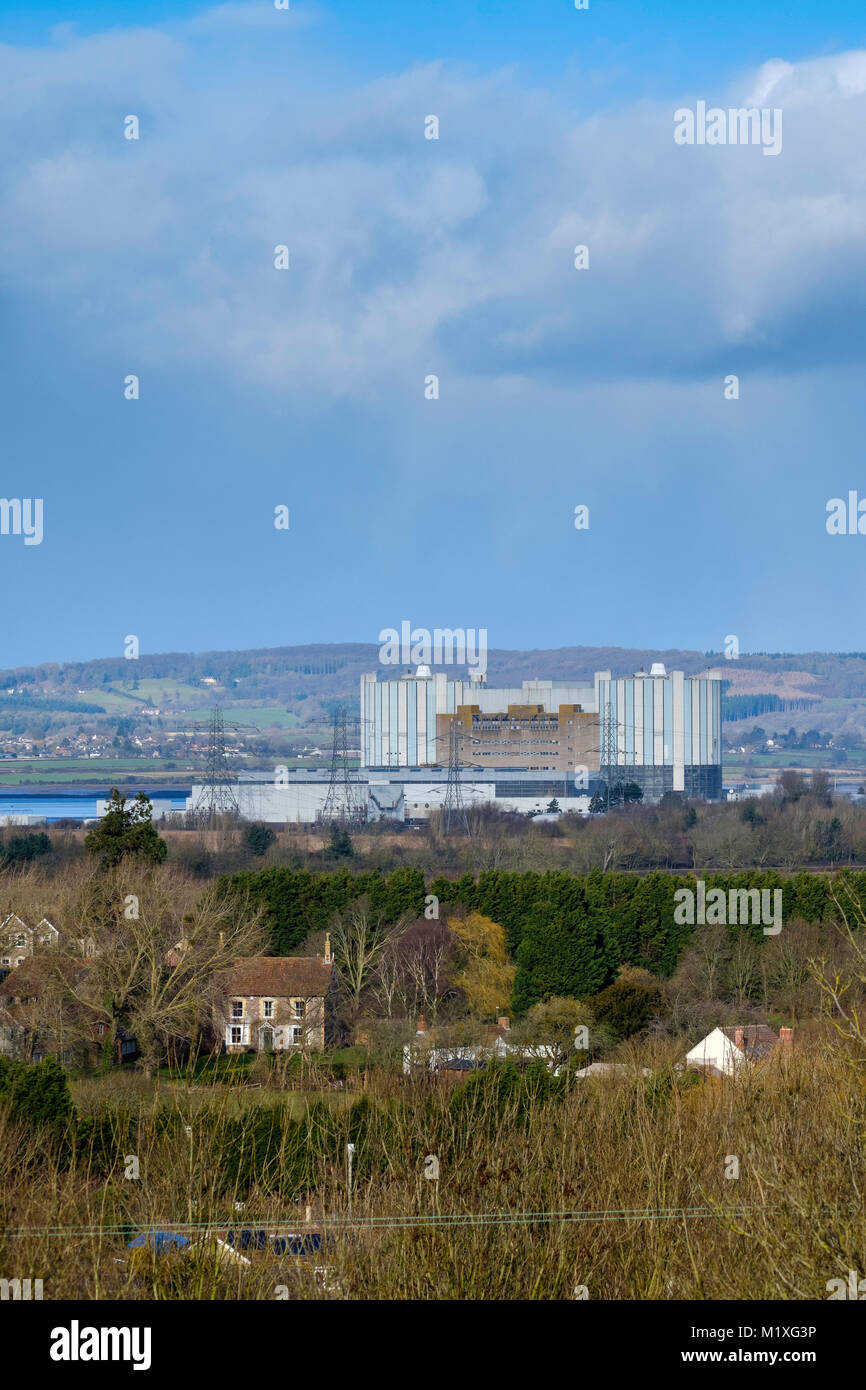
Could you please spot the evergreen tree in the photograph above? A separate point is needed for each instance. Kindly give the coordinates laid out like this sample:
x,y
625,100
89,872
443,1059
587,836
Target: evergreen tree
x,y
258,839
126,830
558,955
340,845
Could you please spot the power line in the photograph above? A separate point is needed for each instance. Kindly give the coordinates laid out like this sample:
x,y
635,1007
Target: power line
x,y
219,796
454,811
344,803
407,1220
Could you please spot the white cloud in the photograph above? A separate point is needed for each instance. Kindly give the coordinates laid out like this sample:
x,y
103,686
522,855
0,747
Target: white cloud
x,y
411,255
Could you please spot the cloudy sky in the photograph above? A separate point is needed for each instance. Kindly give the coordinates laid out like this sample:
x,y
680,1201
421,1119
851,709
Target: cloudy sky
x,y
412,257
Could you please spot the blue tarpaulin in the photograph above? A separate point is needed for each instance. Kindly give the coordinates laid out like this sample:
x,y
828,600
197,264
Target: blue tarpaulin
x,y
162,1242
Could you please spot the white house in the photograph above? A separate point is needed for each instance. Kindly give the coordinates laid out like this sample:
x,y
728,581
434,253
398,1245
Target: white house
x,y
421,1055
724,1051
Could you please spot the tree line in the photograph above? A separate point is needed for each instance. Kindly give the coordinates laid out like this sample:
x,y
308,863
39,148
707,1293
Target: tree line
x,y
568,934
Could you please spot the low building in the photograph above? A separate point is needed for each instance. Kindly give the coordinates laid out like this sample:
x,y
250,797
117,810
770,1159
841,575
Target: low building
x,y
726,1051
276,1003
429,1054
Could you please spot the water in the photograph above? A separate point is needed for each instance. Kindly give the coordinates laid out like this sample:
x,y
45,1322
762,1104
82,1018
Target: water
x,y
81,805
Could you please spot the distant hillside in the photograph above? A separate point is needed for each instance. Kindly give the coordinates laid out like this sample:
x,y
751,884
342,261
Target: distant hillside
x,y
803,690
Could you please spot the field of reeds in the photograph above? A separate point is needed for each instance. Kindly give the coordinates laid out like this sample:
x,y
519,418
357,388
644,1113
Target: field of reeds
x,y
616,1187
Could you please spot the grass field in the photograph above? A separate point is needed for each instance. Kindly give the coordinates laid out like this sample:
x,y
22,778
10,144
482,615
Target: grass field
x,y
90,771
117,699
264,716
799,759
639,1160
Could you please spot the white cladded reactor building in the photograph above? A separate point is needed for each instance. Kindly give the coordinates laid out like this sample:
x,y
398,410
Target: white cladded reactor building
x,y
520,747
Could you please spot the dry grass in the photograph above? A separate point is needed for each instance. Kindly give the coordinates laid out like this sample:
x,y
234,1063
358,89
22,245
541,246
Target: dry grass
x,y
510,1172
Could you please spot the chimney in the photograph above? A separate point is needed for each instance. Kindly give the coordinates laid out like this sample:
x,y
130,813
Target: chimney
x,y
738,1038
503,1023
327,948
786,1036
422,1024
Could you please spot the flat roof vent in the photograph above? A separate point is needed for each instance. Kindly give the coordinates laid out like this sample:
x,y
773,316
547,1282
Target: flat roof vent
x,y
658,669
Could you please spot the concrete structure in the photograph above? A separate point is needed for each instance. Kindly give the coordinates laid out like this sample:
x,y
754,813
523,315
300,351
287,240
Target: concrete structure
x,y
520,747
399,717
410,794
524,736
666,730
659,729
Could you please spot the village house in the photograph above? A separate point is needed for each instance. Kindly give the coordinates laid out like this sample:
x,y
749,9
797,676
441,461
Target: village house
x,y
726,1051
427,1053
18,941
276,1003
40,1016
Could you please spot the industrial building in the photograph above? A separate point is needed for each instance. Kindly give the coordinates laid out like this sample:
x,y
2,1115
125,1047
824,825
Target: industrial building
x,y
407,794
520,747
662,730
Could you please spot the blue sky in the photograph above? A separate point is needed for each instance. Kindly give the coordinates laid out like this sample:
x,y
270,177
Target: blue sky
x,y
412,257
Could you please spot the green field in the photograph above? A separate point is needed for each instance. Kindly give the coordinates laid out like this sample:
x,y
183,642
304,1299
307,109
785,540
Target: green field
x,y
263,717
94,771
117,699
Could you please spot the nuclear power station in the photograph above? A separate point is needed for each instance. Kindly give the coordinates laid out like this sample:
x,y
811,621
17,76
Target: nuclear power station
x,y
520,747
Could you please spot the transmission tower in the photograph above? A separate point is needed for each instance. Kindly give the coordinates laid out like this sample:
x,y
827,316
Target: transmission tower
x,y
453,811
607,754
344,803
219,796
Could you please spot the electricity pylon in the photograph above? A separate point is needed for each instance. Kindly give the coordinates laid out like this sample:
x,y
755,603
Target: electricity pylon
x,y
219,796
343,803
454,811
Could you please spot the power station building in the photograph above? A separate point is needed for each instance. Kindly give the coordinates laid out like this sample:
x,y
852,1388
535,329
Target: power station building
x,y
518,746
659,729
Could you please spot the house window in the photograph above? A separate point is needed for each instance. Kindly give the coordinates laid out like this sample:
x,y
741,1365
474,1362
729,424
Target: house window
x,y
19,940
296,1036
299,1007
267,1008
237,1008
237,1036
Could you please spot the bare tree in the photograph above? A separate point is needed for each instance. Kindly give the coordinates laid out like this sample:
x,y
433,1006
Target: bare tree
x,y
359,935
155,966
844,990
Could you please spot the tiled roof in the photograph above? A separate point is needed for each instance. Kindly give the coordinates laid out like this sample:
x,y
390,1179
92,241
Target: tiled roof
x,y
279,977
758,1039
28,979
